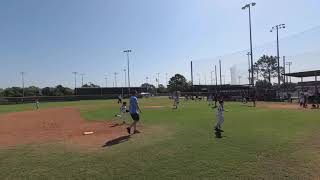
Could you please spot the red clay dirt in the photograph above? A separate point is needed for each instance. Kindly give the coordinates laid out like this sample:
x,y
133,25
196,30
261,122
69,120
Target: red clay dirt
x,y
62,125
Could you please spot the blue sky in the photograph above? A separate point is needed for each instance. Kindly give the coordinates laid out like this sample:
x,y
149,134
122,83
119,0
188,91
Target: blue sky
x,y
50,39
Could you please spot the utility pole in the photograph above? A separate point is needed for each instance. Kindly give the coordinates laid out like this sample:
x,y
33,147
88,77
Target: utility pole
x,y
82,79
216,76
248,6
158,79
289,64
220,72
75,82
125,77
115,79
128,64
276,28
166,79
249,68
284,69
199,78
106,78
205,79
211,77
147,84
22,79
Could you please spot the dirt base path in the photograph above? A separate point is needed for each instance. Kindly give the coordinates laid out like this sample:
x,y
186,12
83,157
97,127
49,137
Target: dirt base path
x,y
63,125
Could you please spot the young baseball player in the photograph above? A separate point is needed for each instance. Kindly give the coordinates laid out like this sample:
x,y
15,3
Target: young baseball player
x,y
36,103
176,101
210,100
134,110
123,112
220,117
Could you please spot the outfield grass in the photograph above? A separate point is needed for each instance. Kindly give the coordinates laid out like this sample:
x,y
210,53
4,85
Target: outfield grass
x,y
258,143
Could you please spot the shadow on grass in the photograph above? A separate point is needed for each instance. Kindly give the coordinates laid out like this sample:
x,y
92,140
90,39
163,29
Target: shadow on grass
x,y
116,141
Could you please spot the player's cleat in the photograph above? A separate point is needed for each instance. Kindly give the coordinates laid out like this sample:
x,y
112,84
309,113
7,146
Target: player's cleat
x,y
128,130
218,134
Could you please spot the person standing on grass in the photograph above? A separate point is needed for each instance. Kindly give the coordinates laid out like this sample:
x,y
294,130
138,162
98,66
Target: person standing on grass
x,y
134,110
220,116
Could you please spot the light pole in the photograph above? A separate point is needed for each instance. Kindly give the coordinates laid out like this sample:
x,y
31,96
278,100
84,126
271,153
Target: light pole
x,y
75,82
158,79
276,28
115,79
211,77
106,78
289,64
249,68
224,79
82,79
166,79
22,79
199,78
128,64
248,6
125,77
147,84
220,72
205,79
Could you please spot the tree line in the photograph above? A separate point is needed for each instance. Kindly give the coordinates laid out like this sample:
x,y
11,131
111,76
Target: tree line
x,y
59,90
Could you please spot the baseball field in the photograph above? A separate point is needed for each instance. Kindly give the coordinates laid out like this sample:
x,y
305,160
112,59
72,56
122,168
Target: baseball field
x,y
271,141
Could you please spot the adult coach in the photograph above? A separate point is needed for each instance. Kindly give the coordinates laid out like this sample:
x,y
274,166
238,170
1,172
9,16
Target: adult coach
x,y
134,112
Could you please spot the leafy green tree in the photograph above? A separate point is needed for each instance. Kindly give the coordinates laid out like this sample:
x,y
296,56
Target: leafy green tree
x,y
263,84
90,85
149,87
13,92
47,91
267,66
162,89
31,91
178,83
1,92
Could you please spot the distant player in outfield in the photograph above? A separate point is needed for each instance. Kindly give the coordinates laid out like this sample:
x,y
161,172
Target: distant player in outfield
x,y
36,103
176,100
134,110
220,117
210,100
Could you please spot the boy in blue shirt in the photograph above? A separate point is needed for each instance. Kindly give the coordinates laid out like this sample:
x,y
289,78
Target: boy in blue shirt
x,y
134,110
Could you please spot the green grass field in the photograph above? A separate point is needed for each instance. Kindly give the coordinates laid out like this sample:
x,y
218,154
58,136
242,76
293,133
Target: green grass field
x,y
258,144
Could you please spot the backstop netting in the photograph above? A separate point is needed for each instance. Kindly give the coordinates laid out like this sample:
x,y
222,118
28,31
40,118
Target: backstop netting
x,y
301,52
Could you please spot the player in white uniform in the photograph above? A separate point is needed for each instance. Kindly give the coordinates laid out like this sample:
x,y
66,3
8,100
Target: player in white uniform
x,y
36,103
176,100
220,116
123,112
210,100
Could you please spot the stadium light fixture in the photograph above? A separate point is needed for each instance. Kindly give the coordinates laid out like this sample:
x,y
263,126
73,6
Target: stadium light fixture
x,y
128,64
22,79
276,29
75,82
248,6
82,74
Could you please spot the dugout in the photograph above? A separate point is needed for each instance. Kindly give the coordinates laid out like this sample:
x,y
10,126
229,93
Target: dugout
x,y
228,91
311,87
